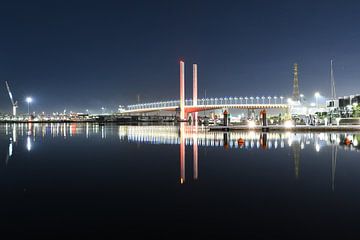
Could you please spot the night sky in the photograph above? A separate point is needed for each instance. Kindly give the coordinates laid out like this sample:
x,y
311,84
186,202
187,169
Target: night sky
x,y
86,54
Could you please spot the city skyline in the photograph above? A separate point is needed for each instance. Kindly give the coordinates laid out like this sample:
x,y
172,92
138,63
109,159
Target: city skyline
x,y
87,56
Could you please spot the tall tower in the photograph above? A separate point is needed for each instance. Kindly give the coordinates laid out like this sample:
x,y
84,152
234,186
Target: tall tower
x,y
182,90
332,79
195,90
296,94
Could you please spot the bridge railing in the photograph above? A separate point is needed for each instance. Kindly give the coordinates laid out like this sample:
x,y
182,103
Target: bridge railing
x,y
210,101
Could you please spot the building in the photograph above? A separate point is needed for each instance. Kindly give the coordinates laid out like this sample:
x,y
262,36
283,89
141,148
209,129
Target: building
x,y
343,105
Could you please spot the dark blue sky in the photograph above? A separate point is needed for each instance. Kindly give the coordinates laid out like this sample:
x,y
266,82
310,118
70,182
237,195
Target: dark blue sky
x,y
88,54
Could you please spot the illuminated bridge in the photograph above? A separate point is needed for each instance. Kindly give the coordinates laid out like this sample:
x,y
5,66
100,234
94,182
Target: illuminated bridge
x,y
195,105
210,104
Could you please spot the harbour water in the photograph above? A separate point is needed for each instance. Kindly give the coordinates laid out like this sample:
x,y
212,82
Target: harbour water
x,y
169,181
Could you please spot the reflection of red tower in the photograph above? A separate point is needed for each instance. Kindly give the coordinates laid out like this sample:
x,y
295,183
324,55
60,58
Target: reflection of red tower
x,y
263,140
182,90
182,153
195,152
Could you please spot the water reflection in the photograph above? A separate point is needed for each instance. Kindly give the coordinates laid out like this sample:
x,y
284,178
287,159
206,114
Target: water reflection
x,y
195,136
187,136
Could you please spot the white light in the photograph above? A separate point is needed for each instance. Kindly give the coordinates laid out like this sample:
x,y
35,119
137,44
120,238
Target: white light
x,y
289,100
312,104
28,144
288,124
317,94
355,142
251,124
317,147
28,99
301,95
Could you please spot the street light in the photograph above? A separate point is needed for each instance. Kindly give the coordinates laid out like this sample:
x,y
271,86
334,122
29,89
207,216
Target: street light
x,y
281,99
301,97
275,97
29,100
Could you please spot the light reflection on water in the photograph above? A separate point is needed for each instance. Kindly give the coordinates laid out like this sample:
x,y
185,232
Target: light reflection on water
x,y
188,137
190,134
150,176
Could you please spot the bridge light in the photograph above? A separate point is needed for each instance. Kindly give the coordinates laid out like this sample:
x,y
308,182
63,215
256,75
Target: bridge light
x,y
275,97
281,99
269,99
257,100
252,100
246,98
241,98
263,99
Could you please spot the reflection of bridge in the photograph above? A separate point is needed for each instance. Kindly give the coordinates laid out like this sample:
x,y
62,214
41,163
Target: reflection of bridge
x,y
195,105
185,137
202,137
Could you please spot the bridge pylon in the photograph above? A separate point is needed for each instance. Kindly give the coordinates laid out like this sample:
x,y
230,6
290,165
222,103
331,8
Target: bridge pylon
x,y
195,91
182,90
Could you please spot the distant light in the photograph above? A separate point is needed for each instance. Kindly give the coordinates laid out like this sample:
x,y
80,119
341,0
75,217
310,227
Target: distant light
x,y
312,104
288,124
317,94
29,99
317,147
28,144
301,95
251,124
355,142
289,100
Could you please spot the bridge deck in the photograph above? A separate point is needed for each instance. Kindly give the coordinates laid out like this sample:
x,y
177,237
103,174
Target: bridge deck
x,y
200,108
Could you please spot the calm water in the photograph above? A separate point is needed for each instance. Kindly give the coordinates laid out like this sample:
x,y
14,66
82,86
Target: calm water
x,y
171,181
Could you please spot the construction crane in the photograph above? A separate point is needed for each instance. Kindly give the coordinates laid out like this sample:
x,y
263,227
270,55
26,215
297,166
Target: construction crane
x,y
14,103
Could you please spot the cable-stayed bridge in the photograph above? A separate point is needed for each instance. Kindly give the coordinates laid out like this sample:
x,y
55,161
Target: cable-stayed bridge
x,y
195,105
209,104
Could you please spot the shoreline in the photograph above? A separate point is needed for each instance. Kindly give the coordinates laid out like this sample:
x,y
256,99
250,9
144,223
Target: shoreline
x,y
354,128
